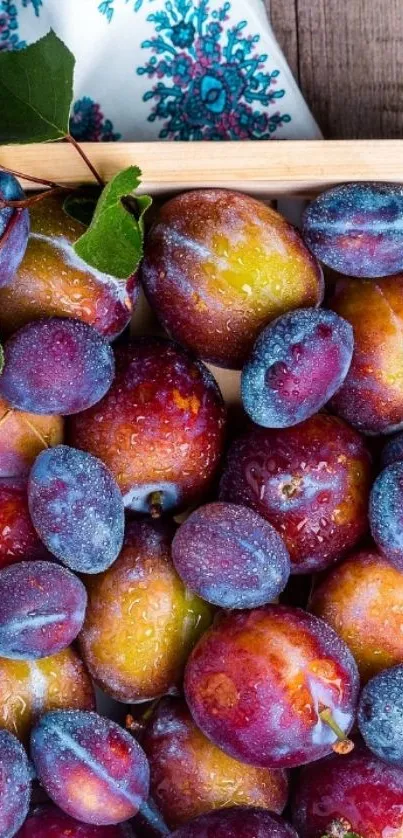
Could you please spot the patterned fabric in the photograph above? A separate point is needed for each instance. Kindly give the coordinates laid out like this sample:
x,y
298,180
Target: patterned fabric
x,y
87,122
9,26
168,69
211,82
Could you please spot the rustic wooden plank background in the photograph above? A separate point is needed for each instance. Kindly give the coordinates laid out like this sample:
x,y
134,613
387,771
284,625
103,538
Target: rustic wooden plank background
x,y
348,58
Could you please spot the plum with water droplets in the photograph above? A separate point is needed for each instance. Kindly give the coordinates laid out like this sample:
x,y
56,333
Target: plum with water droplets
x,y
356,228
23,436
237,823
380,715
219,266
18,538
311,482
371,396
362,599
15,784
30,688
42,609
230,556
89,766
50,822
141,621
353,795
56,366
274,687
52,281
160,429
386,513
190,775
76,508
297,364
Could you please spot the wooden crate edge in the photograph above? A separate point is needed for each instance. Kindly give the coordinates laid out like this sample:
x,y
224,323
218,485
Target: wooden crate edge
x,y
269,168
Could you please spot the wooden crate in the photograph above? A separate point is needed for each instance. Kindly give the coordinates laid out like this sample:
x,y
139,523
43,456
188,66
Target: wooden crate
x,y
266,168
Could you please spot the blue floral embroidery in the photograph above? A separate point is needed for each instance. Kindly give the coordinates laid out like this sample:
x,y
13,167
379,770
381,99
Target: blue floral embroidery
x,y
87,122
211,83
35,3
9,39
107,7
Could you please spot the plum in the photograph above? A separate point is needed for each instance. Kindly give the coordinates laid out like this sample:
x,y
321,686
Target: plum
x,y
274,687
89,766
380,715
357,228
50,822
160,428
56,366
18,538
386,513
362,599
15,784
311,482
354,795
219,266
14,229
53,281
230,556
141,621
239,822
190,775
371,397
392,451
297,364
30,688
42,609
23,436
76,508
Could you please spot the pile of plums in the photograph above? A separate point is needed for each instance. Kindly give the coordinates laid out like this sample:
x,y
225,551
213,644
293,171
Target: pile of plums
x,y
223,585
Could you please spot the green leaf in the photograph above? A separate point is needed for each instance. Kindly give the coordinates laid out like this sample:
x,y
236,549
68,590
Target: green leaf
x,y
81,205
114,240
36,91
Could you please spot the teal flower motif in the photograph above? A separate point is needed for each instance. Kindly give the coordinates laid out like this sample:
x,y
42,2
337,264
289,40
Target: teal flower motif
x,y
183,34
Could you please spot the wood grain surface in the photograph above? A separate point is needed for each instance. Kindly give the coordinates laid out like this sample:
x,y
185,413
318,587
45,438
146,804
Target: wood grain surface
x,y
301,168
348,58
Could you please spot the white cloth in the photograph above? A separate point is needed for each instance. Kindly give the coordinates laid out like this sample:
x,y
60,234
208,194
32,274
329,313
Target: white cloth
x,y
169,69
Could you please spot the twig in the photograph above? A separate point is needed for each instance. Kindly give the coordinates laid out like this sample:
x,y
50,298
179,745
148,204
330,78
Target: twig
x,y
23,203
33,179
82,154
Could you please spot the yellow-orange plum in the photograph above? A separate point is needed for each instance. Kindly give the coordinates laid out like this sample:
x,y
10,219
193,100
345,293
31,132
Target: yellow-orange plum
x,y
220,265
53,281
189,775
23,436
30,688
141,621
362,599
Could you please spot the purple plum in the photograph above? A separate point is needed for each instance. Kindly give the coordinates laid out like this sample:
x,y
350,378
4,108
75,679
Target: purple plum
x,y
76,508
56,366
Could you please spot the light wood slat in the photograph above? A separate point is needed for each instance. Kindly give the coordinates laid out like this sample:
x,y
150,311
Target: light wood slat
x,y
264,168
